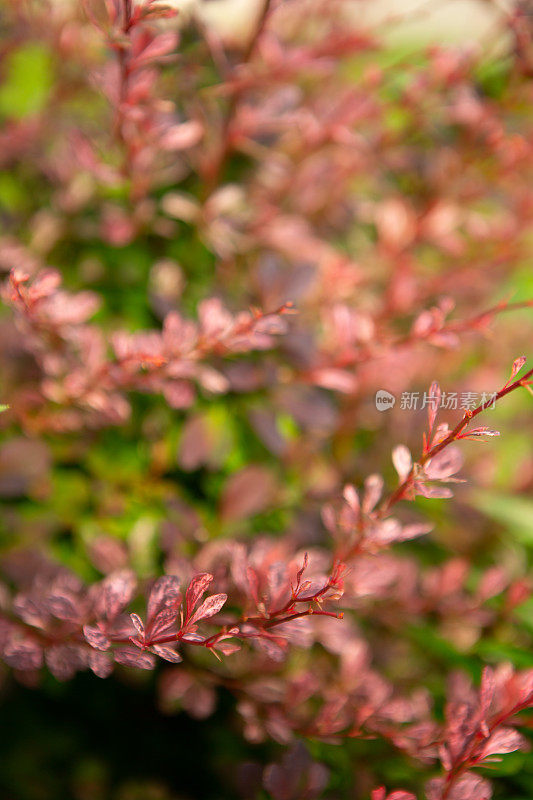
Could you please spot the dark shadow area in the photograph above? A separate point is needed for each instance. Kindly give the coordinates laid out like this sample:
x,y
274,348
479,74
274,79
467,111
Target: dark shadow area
x,y
95,740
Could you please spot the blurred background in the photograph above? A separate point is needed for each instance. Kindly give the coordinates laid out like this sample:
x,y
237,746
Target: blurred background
x,y
381,184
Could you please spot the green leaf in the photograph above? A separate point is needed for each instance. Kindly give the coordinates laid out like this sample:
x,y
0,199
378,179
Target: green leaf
x,y
514,512
28,78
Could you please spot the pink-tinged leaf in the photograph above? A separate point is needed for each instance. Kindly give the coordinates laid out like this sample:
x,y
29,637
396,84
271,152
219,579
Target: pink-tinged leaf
x,y
179,394
64,660
434,492
45,284
215,320
212,380
209,607
96,638
196,445
414,530
352,498
137,624
247,493
477,433
467,787
129,657
302,569
227,648
100,664
493,582
401,458
444,464
196,589
273,324
434,398
167,653
195,638
518,363
63,608
286,780
373,492
164,601
161,46
503,740
118,589
486,694
180,137
398,794
23,655
337,380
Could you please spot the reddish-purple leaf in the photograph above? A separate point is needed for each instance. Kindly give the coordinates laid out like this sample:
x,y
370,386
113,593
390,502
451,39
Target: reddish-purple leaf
x,y
96,638
118,589
209,607
196,589
63,607
129,657
23,655
227,648
196,443
137,624
164,602
247,493
167,653
64,660
100,663
196,638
